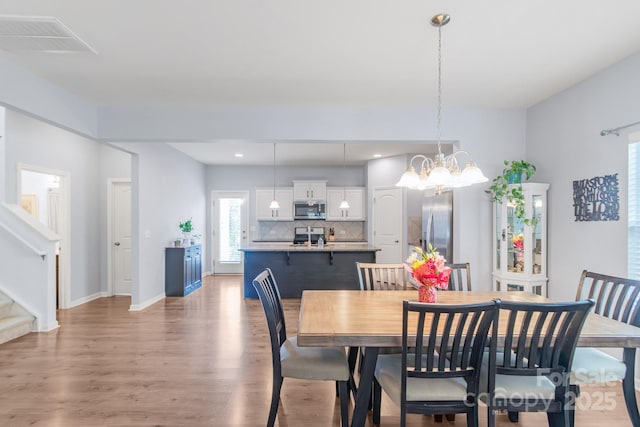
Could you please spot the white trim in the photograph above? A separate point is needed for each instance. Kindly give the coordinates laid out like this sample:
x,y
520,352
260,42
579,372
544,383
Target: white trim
x,y
633,137
88,298
147,303
110,267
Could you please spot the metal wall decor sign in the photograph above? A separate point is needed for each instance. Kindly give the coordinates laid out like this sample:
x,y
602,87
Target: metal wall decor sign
x,y
596,199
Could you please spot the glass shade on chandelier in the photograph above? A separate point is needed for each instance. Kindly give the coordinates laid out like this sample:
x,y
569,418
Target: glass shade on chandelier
x,y
441,173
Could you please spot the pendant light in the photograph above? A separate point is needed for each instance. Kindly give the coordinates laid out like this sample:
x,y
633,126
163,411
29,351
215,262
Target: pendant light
x,y
274,203
344,204
442,172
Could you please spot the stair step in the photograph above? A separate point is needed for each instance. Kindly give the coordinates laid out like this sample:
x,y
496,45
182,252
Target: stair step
x,y
13,327
5,307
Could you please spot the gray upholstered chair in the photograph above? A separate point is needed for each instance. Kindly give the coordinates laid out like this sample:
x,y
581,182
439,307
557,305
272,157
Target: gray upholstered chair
x,y
382,277
529,370
460,277
619,299
418,379
289,360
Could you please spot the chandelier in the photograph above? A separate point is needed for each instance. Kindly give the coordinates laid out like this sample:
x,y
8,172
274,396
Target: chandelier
x,y
442,172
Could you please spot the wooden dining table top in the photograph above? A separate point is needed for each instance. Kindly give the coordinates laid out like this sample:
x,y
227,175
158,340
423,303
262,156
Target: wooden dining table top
x,y
374,318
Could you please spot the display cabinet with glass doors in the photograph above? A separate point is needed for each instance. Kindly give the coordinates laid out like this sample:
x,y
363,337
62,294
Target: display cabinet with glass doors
x,y
519,246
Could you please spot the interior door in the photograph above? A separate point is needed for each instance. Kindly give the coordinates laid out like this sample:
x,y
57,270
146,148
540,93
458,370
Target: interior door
x,y
121,255
387,224
229,219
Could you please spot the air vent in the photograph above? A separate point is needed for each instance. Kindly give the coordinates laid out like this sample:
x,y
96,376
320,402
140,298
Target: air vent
x,y
38,34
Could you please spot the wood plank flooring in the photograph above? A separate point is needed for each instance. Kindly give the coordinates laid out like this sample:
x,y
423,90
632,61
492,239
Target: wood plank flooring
x,y
202,360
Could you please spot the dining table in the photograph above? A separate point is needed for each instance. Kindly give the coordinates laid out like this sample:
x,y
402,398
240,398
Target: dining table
x,y
373,319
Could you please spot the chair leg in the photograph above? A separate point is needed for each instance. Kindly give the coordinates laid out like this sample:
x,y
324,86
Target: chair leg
x,y
377,401
472,417
275,400
344,402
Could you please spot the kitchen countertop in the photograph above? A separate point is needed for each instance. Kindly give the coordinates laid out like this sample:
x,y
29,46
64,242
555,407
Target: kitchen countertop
x,y
328,247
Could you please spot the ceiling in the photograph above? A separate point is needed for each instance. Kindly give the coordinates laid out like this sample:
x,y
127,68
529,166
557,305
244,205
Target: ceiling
x,y
329,53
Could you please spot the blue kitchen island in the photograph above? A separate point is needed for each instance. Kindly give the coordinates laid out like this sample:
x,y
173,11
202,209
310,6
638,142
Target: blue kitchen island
x,y
300,267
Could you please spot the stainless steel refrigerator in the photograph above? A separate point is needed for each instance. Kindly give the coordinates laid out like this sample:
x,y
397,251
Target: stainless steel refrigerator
x,y
437,224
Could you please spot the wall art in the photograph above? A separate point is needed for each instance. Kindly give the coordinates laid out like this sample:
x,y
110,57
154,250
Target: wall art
x,y
596,199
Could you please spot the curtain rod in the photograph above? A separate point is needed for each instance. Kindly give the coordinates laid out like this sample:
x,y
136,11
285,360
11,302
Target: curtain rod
x,y
615,131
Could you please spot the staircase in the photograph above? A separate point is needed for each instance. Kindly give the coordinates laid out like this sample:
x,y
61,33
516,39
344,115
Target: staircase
x,y
14,320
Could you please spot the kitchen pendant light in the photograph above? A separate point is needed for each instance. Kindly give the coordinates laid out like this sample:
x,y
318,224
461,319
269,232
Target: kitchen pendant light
x,y
442,172
344,204
274,203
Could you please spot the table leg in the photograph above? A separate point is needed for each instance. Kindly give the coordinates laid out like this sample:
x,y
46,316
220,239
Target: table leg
x,y
363,396
628,386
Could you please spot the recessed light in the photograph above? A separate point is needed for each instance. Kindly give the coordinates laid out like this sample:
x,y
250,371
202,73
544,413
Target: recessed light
x,y
239,155
377,155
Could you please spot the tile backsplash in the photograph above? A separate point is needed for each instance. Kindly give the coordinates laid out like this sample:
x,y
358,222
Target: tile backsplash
x,y
284,230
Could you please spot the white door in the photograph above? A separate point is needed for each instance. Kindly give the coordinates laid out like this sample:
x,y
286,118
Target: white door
x,y
229,218
121,237
387,224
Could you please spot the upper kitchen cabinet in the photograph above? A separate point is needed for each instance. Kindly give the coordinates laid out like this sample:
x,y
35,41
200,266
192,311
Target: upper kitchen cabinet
x,y
284,196
354,195
310,190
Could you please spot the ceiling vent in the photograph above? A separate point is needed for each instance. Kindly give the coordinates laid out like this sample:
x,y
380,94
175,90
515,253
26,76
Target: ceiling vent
x,y
38,34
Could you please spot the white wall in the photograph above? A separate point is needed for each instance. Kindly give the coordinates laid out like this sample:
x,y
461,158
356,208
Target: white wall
x,y
24,91
168,187
563,140
36,143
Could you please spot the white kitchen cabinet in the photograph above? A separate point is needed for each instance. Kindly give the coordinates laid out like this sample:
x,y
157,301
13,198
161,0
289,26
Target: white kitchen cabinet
x,y
520,250
354,195
310,190
284,196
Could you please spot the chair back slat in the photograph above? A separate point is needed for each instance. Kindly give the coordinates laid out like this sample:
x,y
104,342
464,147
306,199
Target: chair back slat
x,y
269,295
457,330
460,277
545,339
384,277
616,297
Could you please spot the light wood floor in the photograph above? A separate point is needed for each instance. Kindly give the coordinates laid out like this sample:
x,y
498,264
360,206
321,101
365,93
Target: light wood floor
x,y
202,360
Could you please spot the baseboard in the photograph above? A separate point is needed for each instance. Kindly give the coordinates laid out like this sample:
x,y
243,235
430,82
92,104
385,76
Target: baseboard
x,y
148,303
48,328
88,298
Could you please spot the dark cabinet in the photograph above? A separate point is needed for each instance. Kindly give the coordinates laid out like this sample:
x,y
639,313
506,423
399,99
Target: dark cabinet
x,y
182,270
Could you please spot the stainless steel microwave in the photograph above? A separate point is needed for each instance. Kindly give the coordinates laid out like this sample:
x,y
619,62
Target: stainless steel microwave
x,y
309,210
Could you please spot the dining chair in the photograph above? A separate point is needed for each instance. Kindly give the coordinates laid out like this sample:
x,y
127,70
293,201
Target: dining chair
x,y
382,277
619,299
529,370
460,277
418,380
289,360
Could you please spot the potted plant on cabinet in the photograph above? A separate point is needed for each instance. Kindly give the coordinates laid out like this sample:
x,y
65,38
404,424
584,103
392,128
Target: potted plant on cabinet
x,y
186,227
514,173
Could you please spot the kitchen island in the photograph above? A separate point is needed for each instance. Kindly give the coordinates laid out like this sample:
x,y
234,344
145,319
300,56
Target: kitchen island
x,y
300,267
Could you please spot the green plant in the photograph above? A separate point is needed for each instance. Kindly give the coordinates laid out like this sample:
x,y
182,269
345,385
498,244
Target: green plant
x,y
187,226
509,184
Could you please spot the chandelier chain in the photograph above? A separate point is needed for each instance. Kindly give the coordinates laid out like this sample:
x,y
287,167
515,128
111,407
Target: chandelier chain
x,y
439,85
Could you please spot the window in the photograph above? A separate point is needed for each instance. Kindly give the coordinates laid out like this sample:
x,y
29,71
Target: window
x,y
633,250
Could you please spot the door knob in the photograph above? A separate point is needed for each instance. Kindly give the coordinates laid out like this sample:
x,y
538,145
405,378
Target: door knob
x,y
117,243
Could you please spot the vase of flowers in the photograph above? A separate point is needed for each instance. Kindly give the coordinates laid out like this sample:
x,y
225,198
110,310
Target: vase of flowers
x,y
428,272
